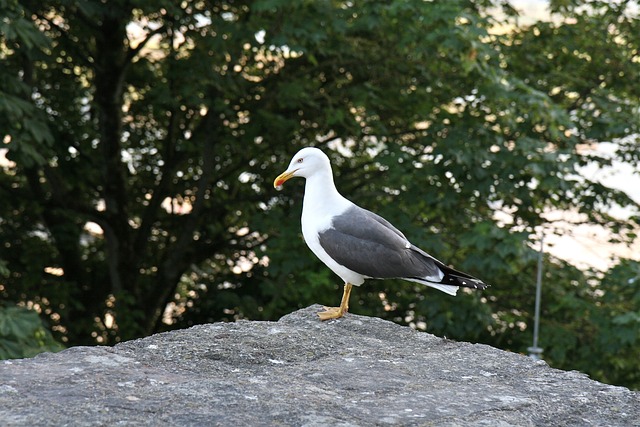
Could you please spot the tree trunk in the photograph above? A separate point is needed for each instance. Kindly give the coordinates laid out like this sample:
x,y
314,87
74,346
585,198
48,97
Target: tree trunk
x,y
111,62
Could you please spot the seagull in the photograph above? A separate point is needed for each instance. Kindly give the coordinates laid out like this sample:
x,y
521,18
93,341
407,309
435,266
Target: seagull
x,y
357,244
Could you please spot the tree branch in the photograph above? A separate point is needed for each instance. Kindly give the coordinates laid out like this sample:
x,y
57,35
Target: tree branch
x,y
132,52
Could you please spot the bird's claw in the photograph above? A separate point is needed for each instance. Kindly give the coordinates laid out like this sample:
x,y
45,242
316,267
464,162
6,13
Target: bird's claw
x,y
331,313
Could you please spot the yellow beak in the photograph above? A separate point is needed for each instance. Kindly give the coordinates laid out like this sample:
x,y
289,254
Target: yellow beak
x,y
283,177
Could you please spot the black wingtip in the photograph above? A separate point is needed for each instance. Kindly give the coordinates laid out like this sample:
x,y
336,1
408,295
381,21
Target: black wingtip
x,y
465,282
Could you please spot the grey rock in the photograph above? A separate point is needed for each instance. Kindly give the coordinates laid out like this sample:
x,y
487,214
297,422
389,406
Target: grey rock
x,y
354,371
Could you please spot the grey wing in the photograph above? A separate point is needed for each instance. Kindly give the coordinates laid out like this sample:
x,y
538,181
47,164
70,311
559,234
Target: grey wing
x,y
369,245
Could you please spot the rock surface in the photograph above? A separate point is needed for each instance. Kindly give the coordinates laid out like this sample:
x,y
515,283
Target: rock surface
x,y
355,371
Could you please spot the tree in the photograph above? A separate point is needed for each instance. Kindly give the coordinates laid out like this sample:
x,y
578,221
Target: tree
x,y
145,137
22,334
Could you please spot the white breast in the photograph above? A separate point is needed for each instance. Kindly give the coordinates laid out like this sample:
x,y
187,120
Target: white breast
x,y
321,204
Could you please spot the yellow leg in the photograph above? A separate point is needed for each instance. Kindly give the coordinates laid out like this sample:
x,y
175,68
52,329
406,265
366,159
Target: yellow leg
x,y
337,312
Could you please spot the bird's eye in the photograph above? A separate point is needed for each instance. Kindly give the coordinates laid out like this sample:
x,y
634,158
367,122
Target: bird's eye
x,y
300,160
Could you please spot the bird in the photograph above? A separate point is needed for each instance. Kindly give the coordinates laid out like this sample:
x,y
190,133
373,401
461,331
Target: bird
x,y
357,244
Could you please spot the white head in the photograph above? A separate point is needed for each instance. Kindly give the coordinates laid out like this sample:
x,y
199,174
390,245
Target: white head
x,y
305,164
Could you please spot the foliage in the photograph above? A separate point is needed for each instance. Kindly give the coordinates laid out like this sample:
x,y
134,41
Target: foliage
x,y
607,336
144,138
22,334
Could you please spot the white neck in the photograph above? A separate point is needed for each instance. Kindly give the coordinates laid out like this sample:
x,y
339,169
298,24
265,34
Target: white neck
x,y
321,196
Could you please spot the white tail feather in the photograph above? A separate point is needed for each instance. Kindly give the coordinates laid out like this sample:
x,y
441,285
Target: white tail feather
x,y
447,289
